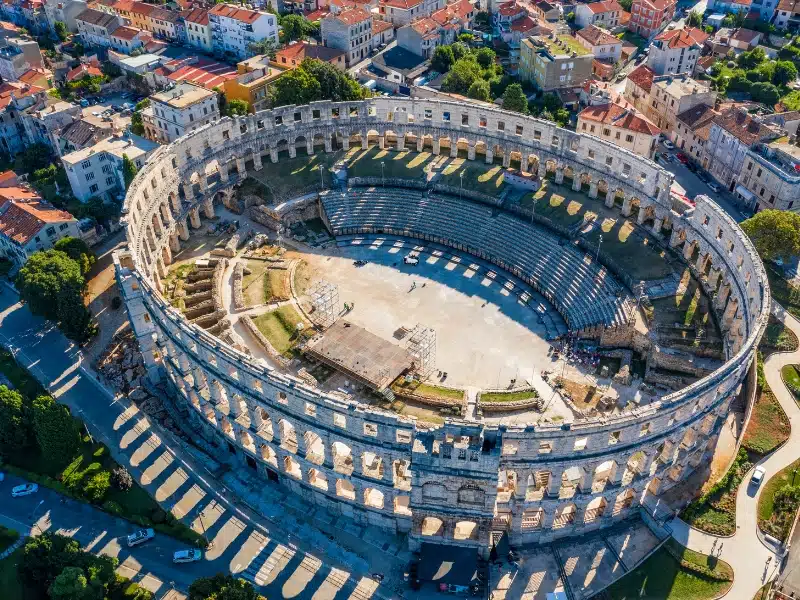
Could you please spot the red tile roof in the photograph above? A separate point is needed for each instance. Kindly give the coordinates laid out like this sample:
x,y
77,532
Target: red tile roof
x,y
657,4
509,9
379,26
425,26
295,52
619,116
351,16
699,119
23,214
196,15
82,71
601,7
454,12
402,4
316,15
597,37
524,24
8,178
642,76
682,38
234,12
126,33
205,73
744,127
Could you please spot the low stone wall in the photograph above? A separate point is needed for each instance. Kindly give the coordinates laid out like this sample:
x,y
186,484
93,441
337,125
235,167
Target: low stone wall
x,y
265,216
263,341
238,295
429,401
216,284
229,250
534,402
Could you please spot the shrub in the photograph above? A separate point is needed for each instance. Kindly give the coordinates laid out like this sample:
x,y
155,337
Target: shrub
x,y
158,516
97,487
121,479
112,507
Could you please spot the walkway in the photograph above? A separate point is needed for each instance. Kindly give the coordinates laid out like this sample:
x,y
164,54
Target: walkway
x,y
745,551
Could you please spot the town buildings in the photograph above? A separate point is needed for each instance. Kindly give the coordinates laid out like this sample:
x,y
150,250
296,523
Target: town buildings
x,y
787,14
349,31
676,51
770,177
692,129
663,97
64,11
648,17
291,55
607,14
605,48
555,61
233,29
402,12
252,82
179,110
96,27
198,29
622,125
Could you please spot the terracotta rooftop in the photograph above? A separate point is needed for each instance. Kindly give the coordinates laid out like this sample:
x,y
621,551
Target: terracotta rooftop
x,y
509,9
96,17
745,35
234,12
699,119
23,214
744,127
402,4
619,116
682,38
351,16
656,4
316,15
126,33
524,24
206,73
425,26
295,52
642,76
602,7
196,15
597,37
379,26
454,12
82,71
790,6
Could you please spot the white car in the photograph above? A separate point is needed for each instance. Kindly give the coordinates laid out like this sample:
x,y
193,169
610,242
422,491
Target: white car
x,y
411,260
668,145
714,187
24,490
758,476
187,556
140,537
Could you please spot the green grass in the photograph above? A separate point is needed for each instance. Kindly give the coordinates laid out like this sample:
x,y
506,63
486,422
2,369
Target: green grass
x,y
507,396
775,523
633,38
406,164
11,589
279,327
638,256
785,294
791,377
768,427
559,203
663,577
291,177
791,100
427,390
275,285
19,377
478,176
7,538
778,337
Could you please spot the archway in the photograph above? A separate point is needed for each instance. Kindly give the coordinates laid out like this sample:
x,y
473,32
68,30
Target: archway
x,y
342,458
315,449
432,526
465,530
345,489
318,479
565,515
595,510
292,467
288,436
372,465
373,498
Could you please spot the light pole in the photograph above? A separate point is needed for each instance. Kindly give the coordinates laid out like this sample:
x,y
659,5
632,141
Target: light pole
x,y
599,241
460,183
321,179
383,183
200,515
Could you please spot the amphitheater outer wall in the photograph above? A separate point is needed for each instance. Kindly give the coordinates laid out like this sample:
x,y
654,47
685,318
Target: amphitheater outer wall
x,y
462,480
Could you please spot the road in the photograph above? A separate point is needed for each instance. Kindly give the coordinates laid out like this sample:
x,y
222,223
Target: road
x,y
244,542
745,551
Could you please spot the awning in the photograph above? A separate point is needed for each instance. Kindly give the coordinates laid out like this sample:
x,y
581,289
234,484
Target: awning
x,y
744,192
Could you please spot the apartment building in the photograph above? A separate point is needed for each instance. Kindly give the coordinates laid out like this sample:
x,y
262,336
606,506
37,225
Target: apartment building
x,y
402,12
605,48
64,11
126,39
787,14
97,170
622,125
233,29
295,52
198,29
607,14
349,31
177,111
162,23
252,82
95,27
667,96
770,177
15,98
648,17
44,120
554,62
29,224
420,37
676,50
692,130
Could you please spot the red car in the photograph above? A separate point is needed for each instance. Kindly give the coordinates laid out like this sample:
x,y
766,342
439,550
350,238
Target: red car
x,y
682,157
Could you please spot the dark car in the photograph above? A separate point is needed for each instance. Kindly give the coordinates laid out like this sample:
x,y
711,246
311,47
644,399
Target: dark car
x,y
692,167
682,157
702,177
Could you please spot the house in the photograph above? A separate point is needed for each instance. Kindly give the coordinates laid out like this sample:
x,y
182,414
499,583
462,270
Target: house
x,y
787,14
676,50
622,125
770,177
252,82
788,121
382,33
420,37
198,29
291,55
95,27
177,111
162,23
349,31
81,71
64,11
29,224
507,13
38,77
605,48
125,39
402,12
648,17
198,71
12,63
733,132
399,65
454,19
730,6
692,130
82,133
233,29
15,98
546,11
43,120
607,14
555,61
96,171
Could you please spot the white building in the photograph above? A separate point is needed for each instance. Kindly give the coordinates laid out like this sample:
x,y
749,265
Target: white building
x,y
184,108
676,51
349,31
64,11
96,27
198,30
97,171
233,29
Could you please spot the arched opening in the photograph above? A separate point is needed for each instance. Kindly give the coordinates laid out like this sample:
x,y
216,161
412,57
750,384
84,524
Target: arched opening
x,y
633,466
288,436
372,465
550,168
301,145
247,441
345,489
263,424
292,467
318,479
268,455
342,458
373,498
401,474
569,175
506,485
432,526
532,519
536,485
623,501
595,510
465,530
315,449
569,482
586,182
565,515
402,505
602,473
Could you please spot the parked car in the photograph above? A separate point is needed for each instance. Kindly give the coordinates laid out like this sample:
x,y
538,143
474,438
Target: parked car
x,y
682,157
702,177
691,166
668,145
187,556
140,537
25,489
714,187
758,476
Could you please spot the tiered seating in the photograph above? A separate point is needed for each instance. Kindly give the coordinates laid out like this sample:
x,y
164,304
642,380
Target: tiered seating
x,y
585,294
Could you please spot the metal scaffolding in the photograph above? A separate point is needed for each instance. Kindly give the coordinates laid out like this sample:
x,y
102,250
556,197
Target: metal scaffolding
x,y
422,346
325,303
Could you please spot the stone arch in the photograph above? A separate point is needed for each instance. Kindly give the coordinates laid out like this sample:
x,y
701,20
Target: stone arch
x,y
471,494
318,479
292,467
434,491
246,440
585,181
401,474
602,474
401,505
536,485
268,455
345,489
342,456
595,510
623,501
288,436
480,148
602,187
315,448
373,137
372,465
465,530
225,426
565,515
373,498
432,526
263,423
506,485
633,466
569,175
532,519
570,479
551,166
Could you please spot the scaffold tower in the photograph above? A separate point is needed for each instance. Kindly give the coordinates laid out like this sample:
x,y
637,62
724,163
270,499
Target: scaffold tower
x,y
422,346
325,303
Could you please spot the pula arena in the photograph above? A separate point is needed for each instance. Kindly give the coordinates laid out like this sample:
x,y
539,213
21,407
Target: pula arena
x,y
441,483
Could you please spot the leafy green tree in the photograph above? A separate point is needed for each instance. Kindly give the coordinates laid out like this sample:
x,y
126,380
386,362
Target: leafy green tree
x,y
15,434
53,286
551,102
57,431
479,90
77,249
570,18
485,57
626,5
333,83
765,92
70,584
460,50
561,116
137,124
222,587
96,488
61,30
775,233
295,87
266,46
129,171
514,99
461,76
44,558
739,82
236,108
34,157
751,59
482,19
295,27
121,478
695,19
442,59
785,72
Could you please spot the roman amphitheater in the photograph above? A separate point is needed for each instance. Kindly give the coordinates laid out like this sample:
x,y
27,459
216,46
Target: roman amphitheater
x,y
560,359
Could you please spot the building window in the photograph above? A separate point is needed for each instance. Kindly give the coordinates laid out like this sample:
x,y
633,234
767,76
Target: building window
x,y
86,164
62,227
89,176
109,181
93,189
51,231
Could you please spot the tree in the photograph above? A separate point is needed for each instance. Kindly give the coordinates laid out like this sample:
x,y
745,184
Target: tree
x,y
460,50
461,76
765,92
14,423
266,46
137,124
442,59
121,478
695,19
71,584
784,73
295,87
295,27
514,99
751,59
36,156
334,84
626,5
775,233
479,90
53,286
551,102
485,57
236,108
77,249
222,587
57,431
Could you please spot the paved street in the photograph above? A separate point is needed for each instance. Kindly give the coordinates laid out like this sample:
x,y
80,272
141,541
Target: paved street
x,y
244,542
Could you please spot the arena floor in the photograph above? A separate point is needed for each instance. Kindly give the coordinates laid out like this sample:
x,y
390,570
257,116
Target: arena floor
x,y
485,335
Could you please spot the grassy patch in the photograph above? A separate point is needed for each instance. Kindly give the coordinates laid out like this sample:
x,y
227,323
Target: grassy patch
x,y
280,328
11,588
479,177
291,177
775,517
405,164
558,203
674,573
22,381
791,378
508,396
7,538
427,390
276,286
778,337
302,277
783,292
768,427
637,255
253,284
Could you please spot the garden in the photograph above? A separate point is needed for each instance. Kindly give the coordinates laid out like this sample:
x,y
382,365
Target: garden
x,y
280,327
779,501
